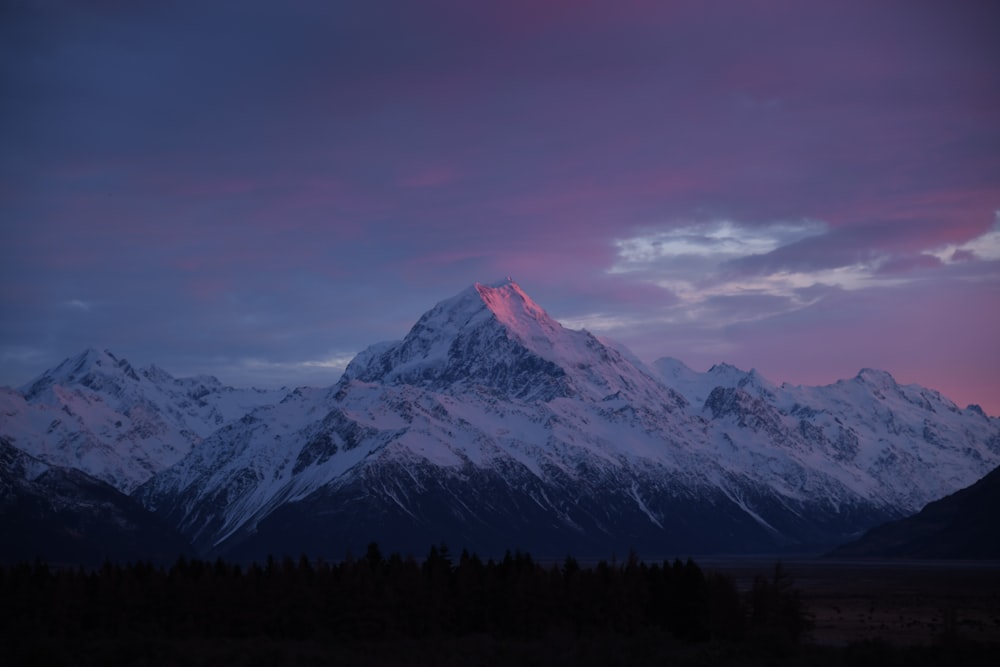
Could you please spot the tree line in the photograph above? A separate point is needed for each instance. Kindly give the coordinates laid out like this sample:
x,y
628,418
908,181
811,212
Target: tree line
x,y
379,597
441,610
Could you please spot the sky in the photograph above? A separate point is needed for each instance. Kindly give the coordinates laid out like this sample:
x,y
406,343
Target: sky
x,y
259,190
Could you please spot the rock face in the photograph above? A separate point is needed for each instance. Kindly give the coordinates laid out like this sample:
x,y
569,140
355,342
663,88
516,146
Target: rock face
x,y
962,525
492,427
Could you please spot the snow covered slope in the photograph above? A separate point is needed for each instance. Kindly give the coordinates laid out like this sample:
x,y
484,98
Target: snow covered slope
x,y
905,444
495,338
491,426
98,414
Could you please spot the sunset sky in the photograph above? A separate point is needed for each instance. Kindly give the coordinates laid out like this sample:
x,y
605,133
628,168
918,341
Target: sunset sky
x,y
259,190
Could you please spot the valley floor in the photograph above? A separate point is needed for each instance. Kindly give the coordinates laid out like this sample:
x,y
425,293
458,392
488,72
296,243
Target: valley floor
x,y
902,603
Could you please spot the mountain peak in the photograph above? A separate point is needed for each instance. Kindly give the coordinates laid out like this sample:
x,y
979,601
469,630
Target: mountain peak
x,y
494,335
726,374
753,380
486,325
876,378
84,369
518,312
503,282
87,359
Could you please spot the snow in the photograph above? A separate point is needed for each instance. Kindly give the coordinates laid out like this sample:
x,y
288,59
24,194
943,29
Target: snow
x,y
448,431
634,492
742,504
97,413
487,380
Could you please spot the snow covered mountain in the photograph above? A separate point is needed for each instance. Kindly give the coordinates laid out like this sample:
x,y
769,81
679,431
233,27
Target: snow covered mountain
x,y
491,426
494,337
906,444
98,414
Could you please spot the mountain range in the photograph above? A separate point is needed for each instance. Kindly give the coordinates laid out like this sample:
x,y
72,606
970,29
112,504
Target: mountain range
x,y
490,426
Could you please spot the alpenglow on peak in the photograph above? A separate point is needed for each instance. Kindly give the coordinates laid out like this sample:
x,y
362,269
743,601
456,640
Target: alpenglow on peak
x,y
495,336
482,328
513,308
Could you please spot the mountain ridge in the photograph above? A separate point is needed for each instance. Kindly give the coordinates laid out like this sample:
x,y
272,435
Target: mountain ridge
x,y
489,419
123,424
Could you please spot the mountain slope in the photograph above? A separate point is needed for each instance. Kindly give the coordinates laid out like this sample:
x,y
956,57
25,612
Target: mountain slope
x,y
905,444
65,516
491,426
495,337
97,413
960,525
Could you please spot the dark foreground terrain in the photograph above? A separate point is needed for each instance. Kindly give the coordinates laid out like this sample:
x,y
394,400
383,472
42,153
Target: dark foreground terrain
x,y
900,602
459,610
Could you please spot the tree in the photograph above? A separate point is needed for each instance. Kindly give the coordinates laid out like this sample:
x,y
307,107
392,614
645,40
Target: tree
x,y
776,611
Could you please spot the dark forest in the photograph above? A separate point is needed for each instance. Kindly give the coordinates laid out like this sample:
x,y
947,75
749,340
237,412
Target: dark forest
x,y
443,609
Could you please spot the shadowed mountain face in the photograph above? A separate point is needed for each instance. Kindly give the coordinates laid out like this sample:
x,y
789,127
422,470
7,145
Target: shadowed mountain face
x,y
62,515
492,427
962,525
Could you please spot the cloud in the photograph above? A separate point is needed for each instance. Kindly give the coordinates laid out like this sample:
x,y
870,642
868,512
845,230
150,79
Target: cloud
x,y
21,354
727,259
604,322
335,362
726,274
321,371
720,261
985,247
77,304
722,239
907,263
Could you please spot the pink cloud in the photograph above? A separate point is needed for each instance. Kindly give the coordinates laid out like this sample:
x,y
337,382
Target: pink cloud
x,y
928,334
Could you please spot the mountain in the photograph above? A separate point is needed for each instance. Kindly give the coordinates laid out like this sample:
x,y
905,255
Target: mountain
x,y
905,444
961,525
96,413
495,337
490,426
63,515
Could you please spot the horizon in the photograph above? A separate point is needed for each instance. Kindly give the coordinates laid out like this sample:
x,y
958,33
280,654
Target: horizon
x,y
336,378
259,192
